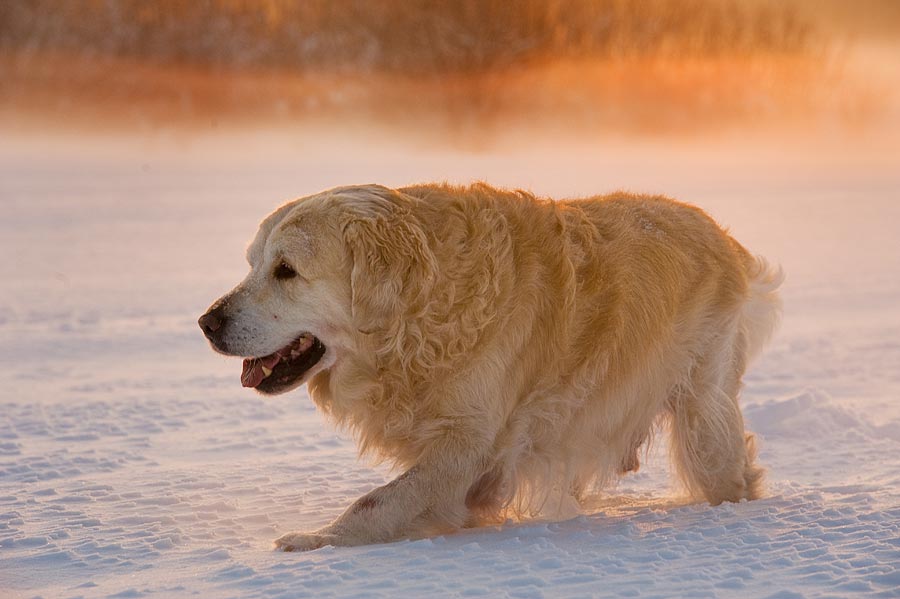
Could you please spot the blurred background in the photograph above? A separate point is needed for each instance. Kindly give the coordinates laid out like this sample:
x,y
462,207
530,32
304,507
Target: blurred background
x,y
466,72
141,142
170,128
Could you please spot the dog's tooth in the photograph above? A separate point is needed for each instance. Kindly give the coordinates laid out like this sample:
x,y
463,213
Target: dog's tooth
x,y
266,371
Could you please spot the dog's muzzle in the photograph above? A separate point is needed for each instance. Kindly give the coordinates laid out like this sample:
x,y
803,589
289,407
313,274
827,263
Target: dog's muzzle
x,y
213,326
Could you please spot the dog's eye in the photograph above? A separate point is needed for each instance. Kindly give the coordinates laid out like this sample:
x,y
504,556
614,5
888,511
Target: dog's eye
x,y
284,271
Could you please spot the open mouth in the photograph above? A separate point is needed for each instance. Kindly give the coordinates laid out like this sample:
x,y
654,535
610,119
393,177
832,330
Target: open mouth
x,y
285,367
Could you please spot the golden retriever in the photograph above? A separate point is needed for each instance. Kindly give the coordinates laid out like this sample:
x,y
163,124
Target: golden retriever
x,y
506,352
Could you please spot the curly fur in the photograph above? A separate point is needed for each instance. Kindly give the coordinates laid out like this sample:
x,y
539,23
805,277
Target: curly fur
x,y
510,353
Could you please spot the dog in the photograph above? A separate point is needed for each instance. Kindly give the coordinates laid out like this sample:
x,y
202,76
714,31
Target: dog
x,y
504,352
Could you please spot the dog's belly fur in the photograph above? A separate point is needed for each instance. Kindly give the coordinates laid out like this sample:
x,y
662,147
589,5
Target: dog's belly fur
x,y
558,334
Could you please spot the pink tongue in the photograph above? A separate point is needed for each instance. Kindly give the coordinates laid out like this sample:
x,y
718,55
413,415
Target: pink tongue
x,y
253,369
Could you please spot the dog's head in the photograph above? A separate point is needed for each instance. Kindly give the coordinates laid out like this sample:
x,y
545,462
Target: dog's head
x,y
325,271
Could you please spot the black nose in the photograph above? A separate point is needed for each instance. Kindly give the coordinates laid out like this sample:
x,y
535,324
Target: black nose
x,y
213,324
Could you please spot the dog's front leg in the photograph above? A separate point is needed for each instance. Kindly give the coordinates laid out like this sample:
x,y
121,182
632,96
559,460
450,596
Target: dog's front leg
x,y
428,498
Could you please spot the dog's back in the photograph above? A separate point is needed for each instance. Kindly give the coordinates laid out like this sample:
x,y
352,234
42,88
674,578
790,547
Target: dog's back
x,y
630,310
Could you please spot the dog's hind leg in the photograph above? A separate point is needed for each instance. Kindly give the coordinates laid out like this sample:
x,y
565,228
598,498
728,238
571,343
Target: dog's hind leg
x,y
713,455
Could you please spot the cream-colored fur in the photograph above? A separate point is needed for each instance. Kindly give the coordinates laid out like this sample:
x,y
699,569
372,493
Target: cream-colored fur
x,y
506,352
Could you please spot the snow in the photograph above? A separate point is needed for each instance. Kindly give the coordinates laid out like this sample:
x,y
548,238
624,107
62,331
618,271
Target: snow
x,y
133,464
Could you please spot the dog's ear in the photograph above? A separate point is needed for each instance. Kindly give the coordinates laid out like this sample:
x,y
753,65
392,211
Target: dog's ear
x,y
393,267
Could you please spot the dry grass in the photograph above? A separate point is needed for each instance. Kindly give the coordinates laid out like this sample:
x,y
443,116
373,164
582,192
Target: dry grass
x,y
402,36
636,66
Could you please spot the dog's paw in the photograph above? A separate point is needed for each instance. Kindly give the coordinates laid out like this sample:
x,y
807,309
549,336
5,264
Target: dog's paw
x,y
303,541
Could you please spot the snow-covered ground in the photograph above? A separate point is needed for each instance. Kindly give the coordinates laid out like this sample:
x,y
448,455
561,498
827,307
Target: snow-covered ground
x,y
133,464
